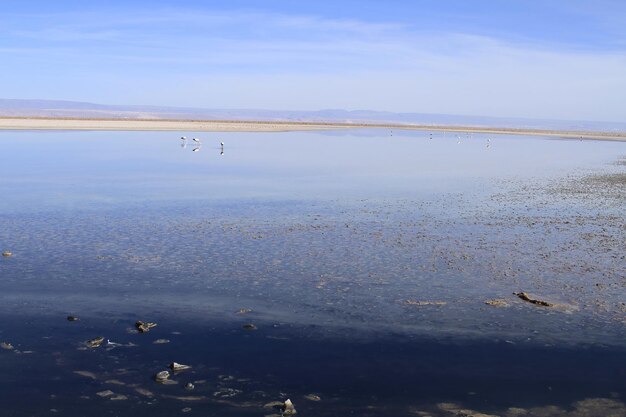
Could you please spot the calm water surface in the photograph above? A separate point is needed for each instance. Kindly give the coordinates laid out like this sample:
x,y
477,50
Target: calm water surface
x,y
365,258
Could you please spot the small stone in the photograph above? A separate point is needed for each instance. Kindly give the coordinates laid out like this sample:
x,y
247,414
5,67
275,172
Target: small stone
x,y
7,253
6,346
144,327
312,397
72,318
244,311
94,343
189,386
161,341
118,397
177,367
186,409
249,326
162,376
288,408
526,297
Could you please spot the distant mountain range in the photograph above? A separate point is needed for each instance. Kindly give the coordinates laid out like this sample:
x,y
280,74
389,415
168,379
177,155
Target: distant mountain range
x,y
75,109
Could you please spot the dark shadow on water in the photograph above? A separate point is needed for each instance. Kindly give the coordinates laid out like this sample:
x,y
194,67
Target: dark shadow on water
x,y
368,376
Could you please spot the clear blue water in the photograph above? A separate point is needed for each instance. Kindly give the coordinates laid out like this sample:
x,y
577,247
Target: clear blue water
x,y
325,237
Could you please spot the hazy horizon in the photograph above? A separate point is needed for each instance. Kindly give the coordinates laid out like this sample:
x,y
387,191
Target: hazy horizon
x,y
74,109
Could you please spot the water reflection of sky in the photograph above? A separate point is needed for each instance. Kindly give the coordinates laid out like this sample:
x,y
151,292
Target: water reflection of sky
x,y
49,169
308,227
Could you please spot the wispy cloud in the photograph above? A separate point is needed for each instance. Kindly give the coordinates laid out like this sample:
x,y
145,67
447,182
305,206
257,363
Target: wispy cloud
x,y
307,61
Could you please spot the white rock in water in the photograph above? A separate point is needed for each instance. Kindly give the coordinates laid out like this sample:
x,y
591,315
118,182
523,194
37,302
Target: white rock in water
x,y
175,366
162,376
6,345
288,408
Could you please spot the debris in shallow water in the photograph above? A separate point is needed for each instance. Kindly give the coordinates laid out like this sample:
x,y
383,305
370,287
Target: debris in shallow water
x,y
458,410
162,376
7,253
94,343
525,297
6,346
118,397
144,392
144,327
226,392
288,408
425,303
189,386
249,326
186,410
177,367
86,374
244,311
187,398
105,394
497,303
72,318
161,341
114,382
312,397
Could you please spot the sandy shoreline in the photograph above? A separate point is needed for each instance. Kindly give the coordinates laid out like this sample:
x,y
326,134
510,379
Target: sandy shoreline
x,y
43,123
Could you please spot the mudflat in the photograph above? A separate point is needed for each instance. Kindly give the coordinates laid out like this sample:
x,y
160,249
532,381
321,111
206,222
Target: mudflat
x,y
47,123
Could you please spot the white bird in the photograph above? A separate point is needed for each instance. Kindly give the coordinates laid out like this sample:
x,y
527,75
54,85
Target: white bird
x,y
222,143
196,149
183,138
197,140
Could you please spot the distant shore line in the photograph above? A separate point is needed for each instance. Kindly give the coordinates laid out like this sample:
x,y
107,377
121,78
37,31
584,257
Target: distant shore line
x,y
68,123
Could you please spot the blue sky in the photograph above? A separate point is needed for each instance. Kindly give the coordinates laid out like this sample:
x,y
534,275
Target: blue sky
x,y
538,59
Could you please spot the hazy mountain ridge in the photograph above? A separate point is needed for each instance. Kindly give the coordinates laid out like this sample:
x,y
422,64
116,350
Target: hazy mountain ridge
x,y
75,109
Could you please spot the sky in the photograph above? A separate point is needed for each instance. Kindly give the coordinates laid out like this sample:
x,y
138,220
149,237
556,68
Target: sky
x,y
547,59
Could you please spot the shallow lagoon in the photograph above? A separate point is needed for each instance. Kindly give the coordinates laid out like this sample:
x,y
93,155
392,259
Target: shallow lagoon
x,y
332,239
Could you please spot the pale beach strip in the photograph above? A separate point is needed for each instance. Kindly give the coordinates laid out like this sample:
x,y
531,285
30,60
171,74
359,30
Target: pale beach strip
x,y
48,123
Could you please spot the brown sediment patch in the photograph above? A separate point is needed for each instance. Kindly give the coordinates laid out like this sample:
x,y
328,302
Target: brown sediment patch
x,y
497,303
526,297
